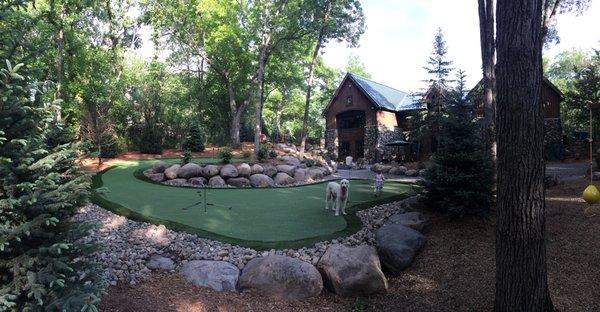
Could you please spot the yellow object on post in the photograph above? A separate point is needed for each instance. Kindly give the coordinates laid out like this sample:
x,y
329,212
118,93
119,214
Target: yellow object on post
x,y
591,195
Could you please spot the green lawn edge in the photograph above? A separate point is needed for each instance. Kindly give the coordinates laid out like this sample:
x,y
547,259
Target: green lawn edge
x,y
353,222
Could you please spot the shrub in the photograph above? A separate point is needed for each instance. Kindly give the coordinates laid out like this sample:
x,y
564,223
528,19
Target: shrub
x,y
42,251
225,155
459,180
186,157
272,154
151,140
263,152
195,139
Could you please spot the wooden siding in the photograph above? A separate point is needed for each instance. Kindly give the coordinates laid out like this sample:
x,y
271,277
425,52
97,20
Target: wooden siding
x,y
359,102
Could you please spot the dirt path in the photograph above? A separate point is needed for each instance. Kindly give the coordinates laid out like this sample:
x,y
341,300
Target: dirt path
x,y
454,272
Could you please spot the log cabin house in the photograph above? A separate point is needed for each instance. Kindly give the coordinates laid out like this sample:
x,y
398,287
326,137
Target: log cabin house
x,y
363,115
361,118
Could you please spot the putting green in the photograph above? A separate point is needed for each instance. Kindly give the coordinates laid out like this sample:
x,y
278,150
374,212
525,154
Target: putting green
x,y
254,217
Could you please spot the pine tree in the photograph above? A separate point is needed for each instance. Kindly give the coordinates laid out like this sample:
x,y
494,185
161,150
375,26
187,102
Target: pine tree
x,y
40,186
460,178
438,66
194,142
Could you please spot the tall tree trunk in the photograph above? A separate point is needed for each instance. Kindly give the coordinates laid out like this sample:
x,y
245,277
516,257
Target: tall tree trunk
x,y
488,50
309,85
236,115
278,115
58,65
521,277
258,92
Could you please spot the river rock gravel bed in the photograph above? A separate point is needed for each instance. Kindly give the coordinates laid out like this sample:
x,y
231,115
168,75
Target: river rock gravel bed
x,y
127,245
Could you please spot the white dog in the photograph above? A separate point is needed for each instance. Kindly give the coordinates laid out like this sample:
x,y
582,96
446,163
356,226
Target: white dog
x,y
338,194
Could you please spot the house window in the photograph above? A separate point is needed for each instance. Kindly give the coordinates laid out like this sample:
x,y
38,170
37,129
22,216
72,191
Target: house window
x,y
349,100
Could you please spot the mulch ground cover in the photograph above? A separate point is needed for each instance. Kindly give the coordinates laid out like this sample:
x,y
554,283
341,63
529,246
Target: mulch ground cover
x,y
454,272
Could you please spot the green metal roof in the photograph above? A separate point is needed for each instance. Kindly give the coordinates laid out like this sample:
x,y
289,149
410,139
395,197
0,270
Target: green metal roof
x,y
384,97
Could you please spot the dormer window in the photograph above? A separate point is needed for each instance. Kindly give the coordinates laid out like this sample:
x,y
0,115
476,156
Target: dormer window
x,y
349,100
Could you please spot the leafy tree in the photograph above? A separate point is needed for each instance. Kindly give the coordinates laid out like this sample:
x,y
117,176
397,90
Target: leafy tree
x,y
460,178
40,187
356,66
330,20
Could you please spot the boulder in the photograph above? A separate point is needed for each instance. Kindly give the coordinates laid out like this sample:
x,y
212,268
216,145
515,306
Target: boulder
x,y
261,180
244,170
218,275
210,171
158,262
216,181
269,170
256,168
411,204
283,178
414,220
290,160
229,171
282,277
238,182
397,245
352,271
177,182
287,169
401,170
199,181
156,177
412,172
171,172
189,170
316,173
159,166
301,175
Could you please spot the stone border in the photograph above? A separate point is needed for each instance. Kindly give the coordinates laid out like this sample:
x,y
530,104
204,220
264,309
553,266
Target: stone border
x,y
289,171
133,249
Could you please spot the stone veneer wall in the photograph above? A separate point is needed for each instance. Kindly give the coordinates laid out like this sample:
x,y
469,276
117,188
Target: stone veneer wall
x,y
553,139
331,143
371,144
552,131
386,136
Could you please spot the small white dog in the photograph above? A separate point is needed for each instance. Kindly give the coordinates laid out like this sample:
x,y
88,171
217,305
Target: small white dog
x,y
338,194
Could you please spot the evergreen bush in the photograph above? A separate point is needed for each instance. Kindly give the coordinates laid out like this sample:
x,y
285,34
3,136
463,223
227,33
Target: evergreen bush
x,y
151,140
460,178
195,139
41,250
225,155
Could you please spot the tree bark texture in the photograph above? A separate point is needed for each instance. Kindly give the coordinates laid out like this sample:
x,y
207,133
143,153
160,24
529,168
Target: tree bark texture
x,y
488,55
521,277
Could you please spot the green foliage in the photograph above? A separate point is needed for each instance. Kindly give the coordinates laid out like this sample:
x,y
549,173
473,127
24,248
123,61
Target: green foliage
x,y
577,75
186,157
310,162
40,187
225,155
151,140
263,152
459,180
272,154
247,154
195,139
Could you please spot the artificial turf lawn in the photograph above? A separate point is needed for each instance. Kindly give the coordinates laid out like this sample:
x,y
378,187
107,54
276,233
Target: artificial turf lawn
x,y
260,215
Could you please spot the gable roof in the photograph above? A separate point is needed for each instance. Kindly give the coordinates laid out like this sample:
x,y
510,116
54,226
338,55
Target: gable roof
x,y
544,81
382,97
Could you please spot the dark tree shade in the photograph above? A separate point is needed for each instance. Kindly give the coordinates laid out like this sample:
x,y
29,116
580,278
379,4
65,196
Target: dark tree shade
x,y
521,277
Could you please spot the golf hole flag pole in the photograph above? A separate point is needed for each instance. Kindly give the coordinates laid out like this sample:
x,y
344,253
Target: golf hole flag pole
x,y
591,194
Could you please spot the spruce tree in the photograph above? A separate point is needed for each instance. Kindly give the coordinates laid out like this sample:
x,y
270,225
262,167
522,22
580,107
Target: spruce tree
x,y
194,142
41,251
459,180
